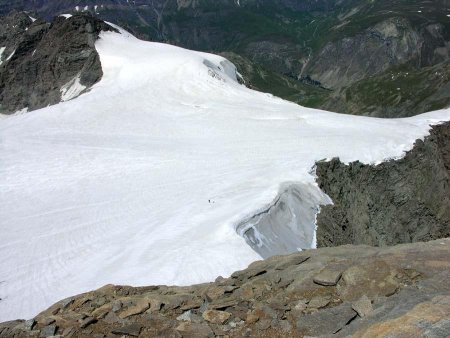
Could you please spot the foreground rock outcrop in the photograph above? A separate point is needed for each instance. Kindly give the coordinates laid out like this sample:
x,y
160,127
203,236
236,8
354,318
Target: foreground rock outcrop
x,y
350,290
43,64
398,201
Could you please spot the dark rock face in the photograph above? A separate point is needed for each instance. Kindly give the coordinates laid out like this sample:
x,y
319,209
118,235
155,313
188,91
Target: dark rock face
x,y
382,292
46,60
398,201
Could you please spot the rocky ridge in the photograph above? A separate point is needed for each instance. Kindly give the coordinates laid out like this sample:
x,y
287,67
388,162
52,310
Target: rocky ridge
x,y
43,64
357,291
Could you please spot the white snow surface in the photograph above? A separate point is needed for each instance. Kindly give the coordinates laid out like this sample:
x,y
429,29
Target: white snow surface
x,y
113,186
2,50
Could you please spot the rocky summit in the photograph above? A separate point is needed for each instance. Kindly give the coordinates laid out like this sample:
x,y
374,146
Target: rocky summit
x,y
357,291
43,64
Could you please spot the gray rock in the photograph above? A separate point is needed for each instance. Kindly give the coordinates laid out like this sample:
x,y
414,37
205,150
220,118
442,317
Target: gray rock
x,y
440,329
326,321
363,306
48,331
117,305
291,261
286,225
47,321
186,316
398,201
328,277
66,302
29,324
194,330
263,324
319,302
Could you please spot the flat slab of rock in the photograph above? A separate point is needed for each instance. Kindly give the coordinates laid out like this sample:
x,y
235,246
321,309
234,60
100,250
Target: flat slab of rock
x,y
319,302
131,330
328,277
140,306
194,330
291,261
327,321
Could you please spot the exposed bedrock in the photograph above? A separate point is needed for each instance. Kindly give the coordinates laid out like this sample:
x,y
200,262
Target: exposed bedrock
x,y
398,201
288,224
348,291
43,64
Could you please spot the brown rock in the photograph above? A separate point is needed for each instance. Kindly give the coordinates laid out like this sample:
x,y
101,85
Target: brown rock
x,y
102,311
216,317
215,292
376,279
252,318
68,332
47,321
130,330
140,306
223,303
87,321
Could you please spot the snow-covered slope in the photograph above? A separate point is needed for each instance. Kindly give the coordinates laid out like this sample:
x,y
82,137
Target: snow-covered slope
x,y
144,179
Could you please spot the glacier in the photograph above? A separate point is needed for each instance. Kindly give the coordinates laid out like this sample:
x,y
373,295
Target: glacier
x,y
157,175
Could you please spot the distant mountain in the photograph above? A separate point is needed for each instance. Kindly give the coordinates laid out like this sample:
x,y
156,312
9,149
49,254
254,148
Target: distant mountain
x,y
320,53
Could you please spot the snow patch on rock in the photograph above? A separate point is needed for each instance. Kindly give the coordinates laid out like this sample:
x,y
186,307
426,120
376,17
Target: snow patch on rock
x,y
2,50
72,89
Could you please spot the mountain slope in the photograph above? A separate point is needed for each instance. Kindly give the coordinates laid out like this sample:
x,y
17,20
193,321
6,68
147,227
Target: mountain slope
x,y
146,178
336,44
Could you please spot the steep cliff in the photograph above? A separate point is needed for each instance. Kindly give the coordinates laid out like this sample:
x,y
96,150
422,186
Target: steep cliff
x,y
397,201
